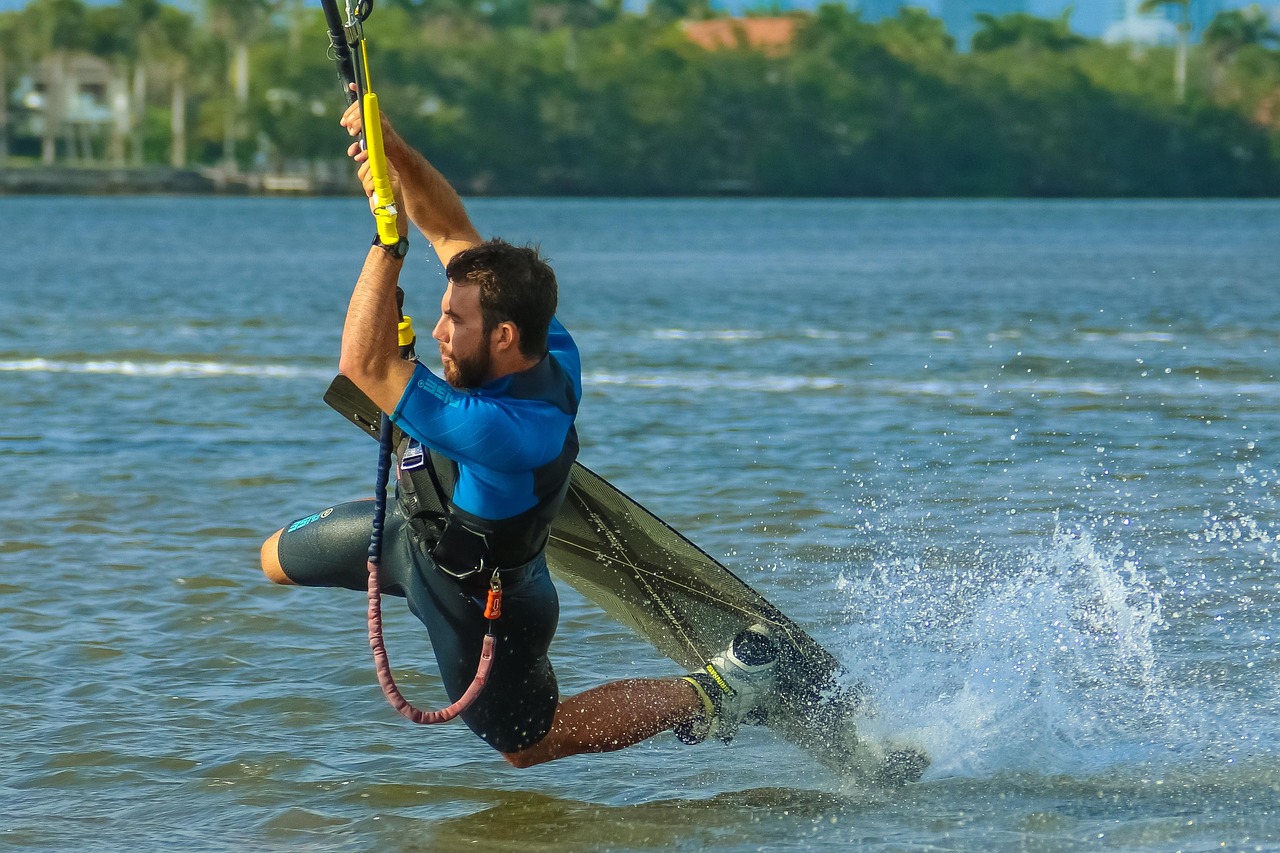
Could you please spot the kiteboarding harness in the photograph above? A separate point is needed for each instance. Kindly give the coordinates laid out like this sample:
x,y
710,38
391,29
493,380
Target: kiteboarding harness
x,y
350,53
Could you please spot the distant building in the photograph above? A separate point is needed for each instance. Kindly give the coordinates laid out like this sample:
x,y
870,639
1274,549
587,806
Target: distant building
x,y
1137,28
771,36
83,85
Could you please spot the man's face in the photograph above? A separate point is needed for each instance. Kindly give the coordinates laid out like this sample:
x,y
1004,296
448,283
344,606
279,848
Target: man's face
x,y
464,347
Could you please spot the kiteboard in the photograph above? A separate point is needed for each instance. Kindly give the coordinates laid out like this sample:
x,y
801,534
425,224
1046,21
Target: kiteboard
x,y
647,575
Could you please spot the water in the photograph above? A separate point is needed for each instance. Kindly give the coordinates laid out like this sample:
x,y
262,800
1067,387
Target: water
x,y
1013,462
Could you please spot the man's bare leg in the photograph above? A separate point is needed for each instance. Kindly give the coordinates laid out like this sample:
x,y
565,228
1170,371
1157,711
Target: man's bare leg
x,y
606,718
613,716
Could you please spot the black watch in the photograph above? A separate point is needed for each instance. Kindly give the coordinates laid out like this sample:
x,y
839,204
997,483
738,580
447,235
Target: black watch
x,y
398,249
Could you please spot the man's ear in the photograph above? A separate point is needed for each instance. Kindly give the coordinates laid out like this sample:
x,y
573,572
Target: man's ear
x,y
506,336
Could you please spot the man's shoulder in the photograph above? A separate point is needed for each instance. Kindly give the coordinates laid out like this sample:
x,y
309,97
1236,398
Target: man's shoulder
x,y
548,383
558,336
562,345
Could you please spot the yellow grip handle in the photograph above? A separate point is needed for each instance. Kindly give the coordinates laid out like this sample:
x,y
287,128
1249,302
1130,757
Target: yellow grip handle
x,y
384,211
405,330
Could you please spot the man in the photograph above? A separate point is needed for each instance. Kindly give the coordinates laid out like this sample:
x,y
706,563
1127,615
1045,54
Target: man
x,y
504,414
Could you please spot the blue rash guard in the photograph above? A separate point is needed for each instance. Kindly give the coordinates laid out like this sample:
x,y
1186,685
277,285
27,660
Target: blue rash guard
x,y
513,443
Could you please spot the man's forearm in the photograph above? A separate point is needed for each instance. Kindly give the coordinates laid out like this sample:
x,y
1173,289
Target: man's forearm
x,y
370,346
430,201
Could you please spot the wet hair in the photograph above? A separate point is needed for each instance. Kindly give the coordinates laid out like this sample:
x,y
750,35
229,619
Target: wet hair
x,y
516,285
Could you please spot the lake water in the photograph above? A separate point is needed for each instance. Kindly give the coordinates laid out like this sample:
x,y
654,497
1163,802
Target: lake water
x,y
1013,462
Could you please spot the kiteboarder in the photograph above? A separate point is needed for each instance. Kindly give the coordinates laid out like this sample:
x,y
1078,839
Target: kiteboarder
x,y
504,415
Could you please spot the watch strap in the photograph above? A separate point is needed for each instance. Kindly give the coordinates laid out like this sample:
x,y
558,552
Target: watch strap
x,y
398,249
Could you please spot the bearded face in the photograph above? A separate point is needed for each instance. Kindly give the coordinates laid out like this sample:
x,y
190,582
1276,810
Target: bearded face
x,y
465,349
468,370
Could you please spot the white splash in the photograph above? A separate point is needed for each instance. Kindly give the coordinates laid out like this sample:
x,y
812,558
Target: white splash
x,y
1042,663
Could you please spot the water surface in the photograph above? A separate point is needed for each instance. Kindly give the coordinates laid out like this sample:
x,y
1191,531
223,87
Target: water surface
x,y
1015,463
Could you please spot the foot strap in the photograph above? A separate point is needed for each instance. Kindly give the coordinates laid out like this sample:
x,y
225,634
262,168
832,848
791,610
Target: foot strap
x,y
695,730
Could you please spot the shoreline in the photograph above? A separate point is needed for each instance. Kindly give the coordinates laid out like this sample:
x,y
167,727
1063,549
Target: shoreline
x,y
160,180
213,181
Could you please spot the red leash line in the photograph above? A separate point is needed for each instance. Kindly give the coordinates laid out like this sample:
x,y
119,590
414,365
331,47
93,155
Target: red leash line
x,y
388,682
493,609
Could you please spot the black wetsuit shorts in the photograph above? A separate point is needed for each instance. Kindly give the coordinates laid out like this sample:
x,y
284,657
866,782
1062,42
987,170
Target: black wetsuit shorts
x,y
518,702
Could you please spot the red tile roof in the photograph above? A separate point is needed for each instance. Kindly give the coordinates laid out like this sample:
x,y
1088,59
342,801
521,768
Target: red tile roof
x,y
769,35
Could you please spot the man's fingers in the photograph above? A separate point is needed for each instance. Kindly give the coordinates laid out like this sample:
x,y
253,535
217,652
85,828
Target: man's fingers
x,y
354,123
351,119
366,178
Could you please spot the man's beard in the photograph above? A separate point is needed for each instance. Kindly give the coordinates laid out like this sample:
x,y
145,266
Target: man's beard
x,y
470,372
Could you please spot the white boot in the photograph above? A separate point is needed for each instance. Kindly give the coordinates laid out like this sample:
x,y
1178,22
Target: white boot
x,y
734,683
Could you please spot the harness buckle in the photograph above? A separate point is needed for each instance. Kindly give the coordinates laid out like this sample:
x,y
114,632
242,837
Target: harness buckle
x,y
493,605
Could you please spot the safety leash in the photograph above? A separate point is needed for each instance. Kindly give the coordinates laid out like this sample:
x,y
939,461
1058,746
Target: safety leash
x,y
493,608
346,40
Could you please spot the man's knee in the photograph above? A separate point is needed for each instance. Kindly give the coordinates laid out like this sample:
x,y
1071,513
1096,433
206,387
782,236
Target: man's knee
x,y
270,558
531,756
521,759
552,745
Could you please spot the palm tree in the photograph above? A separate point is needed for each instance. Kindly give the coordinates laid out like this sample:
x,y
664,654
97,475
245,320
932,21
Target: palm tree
x,y
8,35
125,36
1020,28
1228,33
1233,29
177,36
233,21
143,18
108,38
1184,36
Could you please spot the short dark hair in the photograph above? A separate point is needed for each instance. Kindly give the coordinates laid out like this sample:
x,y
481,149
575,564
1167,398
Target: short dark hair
x,y
516,284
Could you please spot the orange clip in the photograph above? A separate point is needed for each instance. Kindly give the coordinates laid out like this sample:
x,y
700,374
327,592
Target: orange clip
x,y
493,607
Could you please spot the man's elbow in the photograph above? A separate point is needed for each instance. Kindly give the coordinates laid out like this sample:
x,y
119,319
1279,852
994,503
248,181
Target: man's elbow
x,y
378,379
367,375
354,368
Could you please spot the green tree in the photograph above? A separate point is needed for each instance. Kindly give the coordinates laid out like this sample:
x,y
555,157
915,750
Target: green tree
x,y
1026,31
233,21
1183,8
176,36
9,29
129,37
1229,33
915,33
1233,29
108,37
678,10
578,96
301,100
143,18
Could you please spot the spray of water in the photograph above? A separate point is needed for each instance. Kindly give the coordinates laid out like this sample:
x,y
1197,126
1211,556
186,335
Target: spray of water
x,y
1069,656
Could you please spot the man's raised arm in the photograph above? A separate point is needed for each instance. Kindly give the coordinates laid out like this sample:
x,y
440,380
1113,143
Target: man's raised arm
x,y
430,201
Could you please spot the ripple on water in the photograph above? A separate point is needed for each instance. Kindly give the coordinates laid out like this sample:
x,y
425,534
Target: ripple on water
x,y
980,376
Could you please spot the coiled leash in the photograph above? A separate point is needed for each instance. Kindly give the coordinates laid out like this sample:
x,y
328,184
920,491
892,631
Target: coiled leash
x,y
346,39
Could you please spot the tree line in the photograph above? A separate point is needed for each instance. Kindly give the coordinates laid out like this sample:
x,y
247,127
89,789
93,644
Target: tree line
x,y
585,97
